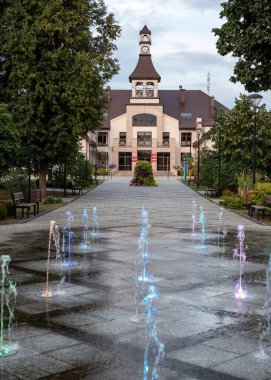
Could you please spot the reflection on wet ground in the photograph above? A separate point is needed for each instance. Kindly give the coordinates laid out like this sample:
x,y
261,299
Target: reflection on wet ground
x,y
85,331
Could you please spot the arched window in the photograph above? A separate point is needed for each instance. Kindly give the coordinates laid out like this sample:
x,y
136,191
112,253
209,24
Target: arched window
x,y
150,90
139,89
144,119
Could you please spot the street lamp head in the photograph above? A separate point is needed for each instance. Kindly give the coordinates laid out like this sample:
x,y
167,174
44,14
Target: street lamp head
x,y
199,125
255,99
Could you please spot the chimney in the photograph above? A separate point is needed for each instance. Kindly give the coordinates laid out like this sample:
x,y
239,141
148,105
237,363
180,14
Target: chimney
x,y
108,92
212,105
182,94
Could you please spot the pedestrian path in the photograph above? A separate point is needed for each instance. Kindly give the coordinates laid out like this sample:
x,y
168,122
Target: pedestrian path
x,y
85,331
118,204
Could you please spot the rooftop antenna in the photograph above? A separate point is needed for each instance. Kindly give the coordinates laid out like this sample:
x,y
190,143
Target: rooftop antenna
x,y
208,83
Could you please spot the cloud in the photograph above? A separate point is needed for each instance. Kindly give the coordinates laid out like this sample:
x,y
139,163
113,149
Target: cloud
x,y
183,45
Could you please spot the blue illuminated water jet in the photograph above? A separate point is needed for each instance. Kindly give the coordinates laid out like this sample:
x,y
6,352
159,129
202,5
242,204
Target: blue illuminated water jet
x,y
154,348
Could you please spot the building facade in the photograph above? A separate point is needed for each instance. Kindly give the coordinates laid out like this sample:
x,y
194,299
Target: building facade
x,y
146,123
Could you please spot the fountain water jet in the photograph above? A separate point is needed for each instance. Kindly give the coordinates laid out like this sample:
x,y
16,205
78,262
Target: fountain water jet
x,y
85,219
266,326
239,252
67,240
95,224
8,300
55,235
202,223
143,247
151,335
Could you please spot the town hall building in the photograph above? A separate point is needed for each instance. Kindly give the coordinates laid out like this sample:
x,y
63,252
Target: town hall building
x,y
146,123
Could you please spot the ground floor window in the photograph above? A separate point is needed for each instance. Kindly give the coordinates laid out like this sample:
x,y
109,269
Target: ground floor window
x,y
163,161
125,161
144,155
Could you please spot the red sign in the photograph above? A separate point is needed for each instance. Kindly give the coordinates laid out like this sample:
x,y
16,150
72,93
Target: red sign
x,y
154,157
134,158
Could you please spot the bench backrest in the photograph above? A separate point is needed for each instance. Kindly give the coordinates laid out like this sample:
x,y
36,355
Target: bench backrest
x,y
18,198
35,196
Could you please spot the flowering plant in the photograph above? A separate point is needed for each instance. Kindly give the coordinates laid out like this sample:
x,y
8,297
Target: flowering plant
x,y
143,175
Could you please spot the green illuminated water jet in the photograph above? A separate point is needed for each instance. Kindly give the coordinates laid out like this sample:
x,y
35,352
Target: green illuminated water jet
x,y
8,295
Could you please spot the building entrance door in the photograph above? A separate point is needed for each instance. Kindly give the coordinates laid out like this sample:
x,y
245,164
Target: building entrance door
x,y
144,155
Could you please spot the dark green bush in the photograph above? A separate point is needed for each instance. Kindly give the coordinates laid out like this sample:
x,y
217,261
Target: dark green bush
x,y
50,200
9,206
143,175
233,201
3,212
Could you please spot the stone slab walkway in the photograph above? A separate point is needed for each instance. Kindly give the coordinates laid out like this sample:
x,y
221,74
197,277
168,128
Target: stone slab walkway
x,y
85,331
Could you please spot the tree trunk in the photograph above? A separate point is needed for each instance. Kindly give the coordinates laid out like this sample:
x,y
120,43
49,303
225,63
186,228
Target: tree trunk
x,y
42,182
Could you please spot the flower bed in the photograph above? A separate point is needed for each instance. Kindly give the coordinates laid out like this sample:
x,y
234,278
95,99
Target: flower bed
x,y
143,175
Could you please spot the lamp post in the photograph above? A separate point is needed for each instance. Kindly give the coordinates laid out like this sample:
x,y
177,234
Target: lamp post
x,y
198,130
255,100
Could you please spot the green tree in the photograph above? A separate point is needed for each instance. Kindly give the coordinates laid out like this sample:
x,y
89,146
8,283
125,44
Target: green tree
x,y
57,58
246,34
232,135
9,140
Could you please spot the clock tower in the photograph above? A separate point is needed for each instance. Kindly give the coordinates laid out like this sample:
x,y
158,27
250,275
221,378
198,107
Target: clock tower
x,y
144,78
145,40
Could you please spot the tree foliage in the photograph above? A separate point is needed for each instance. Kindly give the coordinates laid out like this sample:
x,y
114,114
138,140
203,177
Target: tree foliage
x,y
246,34
56,58
9,140
233,137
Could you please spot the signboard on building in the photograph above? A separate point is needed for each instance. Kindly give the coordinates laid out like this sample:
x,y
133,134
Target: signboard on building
x,y
134,158
154,157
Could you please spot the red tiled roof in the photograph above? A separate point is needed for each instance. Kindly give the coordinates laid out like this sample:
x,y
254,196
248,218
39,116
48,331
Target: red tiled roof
x,y
196,102
144,69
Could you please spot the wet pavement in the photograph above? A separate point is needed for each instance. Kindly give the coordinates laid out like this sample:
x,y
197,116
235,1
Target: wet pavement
x,y
85,330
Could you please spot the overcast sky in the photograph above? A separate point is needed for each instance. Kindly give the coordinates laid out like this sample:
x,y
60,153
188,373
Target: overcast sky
x,y
183,45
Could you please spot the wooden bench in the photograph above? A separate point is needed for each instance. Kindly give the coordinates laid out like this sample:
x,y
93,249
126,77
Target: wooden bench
x,y
260,208
210,192
18,201
78,189
35,197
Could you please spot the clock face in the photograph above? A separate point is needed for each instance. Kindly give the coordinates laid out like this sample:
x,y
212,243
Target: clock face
x,y
145,49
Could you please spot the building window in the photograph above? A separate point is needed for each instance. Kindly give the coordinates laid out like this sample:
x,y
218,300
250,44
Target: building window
x,y
165,141
150,90
186,139
186,114
144,155
125,161
163,161
185,156
102,138
122,140
139,89
143,120
144,139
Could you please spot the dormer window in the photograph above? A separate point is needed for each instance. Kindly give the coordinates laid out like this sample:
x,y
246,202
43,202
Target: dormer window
x,y
150,90
139,89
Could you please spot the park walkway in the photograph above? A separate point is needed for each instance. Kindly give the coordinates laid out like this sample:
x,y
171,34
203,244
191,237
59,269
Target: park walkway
x,y
85,330
118,204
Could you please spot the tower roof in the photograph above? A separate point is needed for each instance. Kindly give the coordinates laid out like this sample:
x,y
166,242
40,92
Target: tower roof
x,y
144,69
145,30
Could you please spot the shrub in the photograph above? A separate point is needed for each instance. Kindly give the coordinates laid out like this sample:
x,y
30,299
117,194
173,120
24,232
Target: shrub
x,y
50,200
256,197
233,201
3,212
8,205
143,175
